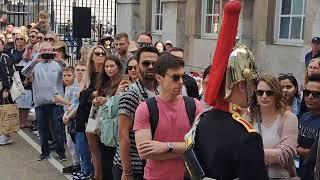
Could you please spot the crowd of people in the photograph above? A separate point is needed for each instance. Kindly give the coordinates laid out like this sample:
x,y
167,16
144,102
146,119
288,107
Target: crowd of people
x,y
124,108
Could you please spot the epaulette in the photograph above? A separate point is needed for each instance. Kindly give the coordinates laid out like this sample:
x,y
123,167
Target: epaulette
x,y
190,136
235,110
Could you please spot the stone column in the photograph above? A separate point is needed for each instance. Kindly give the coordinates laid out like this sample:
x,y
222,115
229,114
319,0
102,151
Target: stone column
x,y
128,17
174,12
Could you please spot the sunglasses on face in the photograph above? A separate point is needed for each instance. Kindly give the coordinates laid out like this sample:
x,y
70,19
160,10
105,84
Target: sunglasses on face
x,y
19,39
147,63
48,39
315,94
32,36
176,77
261,92
286,75
132,67
143,44
99,53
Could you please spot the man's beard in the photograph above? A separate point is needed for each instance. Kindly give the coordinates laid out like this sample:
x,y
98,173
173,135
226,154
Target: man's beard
x,y
147,76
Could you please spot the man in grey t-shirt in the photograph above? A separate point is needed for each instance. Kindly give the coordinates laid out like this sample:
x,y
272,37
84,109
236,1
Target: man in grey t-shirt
x,y
46,73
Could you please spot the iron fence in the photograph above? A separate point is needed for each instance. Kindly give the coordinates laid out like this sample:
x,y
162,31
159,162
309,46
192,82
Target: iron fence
x,y
103,18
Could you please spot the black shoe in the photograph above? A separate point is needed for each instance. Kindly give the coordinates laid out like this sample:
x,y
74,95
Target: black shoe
x,y
71,169
43,157
62,157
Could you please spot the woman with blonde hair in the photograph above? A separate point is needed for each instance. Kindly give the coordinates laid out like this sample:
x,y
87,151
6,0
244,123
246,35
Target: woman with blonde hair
x,y
277,126
86,141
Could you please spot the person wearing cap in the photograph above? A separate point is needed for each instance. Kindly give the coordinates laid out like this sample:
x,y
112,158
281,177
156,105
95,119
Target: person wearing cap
x,y
315,50
168,45
60,48
106,41
222,144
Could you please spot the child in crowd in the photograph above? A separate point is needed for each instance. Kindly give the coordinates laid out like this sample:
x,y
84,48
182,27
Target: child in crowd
x,y
43,23
68,80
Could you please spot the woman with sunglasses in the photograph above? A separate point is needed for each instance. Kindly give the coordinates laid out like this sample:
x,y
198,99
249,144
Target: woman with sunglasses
x,y
17,53
132,69
277,126
87,142
290,91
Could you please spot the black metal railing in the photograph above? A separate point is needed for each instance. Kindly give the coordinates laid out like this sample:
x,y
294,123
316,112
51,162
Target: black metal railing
x,y
103,17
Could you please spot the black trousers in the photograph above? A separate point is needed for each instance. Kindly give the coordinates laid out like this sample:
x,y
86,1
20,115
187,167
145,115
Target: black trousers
x,y
107,155
117,173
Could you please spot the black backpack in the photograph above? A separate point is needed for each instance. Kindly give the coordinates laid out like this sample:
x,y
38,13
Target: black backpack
x,y
154,111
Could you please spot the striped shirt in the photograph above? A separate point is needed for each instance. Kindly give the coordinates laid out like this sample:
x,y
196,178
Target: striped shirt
x,y
128,104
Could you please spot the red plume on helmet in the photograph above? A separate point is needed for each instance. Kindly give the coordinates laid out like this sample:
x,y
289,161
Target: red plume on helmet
x,y
226,41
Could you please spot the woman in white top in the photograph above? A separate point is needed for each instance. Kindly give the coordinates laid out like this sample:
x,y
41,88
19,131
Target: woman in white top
x,y
277,126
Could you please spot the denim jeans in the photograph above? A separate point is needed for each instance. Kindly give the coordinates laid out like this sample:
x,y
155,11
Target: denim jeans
x,y
44,114
84,153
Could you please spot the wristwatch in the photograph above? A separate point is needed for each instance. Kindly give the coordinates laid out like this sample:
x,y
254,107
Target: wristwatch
x,y
170,147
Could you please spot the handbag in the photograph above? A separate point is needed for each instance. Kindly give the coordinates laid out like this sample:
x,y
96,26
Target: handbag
x,y
9,118
94,121
17,88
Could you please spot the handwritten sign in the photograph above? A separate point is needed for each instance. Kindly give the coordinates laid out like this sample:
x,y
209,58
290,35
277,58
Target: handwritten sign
x,y
9,118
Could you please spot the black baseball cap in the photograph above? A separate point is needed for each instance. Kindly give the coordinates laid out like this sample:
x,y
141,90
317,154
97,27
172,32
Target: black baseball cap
x,y
315,40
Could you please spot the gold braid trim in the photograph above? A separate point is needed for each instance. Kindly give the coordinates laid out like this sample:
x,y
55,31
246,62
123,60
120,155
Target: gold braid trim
x,y
235,110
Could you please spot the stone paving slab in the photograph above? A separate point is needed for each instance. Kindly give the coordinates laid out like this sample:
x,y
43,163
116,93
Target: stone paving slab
x,y
18,161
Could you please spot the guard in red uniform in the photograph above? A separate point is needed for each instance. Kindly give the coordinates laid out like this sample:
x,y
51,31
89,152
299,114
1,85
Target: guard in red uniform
x,y
222,145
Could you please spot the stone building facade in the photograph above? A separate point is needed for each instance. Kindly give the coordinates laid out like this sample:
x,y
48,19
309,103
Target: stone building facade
x,y
278,32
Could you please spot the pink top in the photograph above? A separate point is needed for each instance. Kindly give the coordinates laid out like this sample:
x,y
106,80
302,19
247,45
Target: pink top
x,y
172,126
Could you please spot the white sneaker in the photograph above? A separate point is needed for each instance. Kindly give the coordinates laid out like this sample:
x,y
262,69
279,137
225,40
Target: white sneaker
x,y
4,140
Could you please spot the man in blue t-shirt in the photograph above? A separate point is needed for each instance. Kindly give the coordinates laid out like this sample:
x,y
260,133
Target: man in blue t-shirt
x,y
309,122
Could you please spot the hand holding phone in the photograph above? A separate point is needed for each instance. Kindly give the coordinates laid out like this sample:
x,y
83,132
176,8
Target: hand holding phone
x,y
47,56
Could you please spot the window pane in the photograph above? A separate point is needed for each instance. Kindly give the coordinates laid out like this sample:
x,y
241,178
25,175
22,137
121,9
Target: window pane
x,y
208,24
303,20
216,9
286,7
157,6
161,10
215,24
160,23
157,22
295,27
297,7
284,27
209,6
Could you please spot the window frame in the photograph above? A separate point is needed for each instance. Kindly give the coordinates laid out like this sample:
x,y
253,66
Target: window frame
x,y
204,15
155,14
278,15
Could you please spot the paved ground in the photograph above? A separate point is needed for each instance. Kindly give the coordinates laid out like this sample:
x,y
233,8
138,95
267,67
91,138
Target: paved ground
x,y
18,161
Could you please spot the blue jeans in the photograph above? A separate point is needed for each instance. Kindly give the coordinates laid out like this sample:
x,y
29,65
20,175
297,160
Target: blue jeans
x,y
44,114
82,148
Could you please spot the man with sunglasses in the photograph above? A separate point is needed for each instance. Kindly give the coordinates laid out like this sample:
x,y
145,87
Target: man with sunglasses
x,y
309,123
162,144
190,86
29,47
144,39
127,164
121,43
